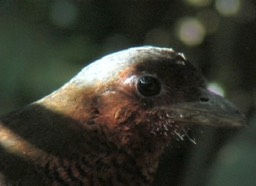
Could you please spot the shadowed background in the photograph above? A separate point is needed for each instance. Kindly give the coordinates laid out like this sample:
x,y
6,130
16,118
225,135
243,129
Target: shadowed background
x,y
44,43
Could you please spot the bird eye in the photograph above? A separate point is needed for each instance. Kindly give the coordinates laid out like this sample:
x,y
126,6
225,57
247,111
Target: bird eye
x,y
148,86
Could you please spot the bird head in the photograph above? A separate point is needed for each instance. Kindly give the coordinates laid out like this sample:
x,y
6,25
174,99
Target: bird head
x,y
145,95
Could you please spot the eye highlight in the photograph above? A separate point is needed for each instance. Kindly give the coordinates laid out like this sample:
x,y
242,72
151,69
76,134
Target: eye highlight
x,y
148,86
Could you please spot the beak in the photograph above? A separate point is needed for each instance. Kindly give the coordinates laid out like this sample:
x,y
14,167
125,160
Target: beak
x,y
210,109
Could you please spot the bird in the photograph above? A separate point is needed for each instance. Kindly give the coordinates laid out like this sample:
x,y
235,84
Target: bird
x,y
110,124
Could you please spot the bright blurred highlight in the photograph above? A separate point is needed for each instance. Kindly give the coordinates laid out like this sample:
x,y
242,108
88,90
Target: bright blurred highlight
x,y
216,88
190,31
228,7
199,3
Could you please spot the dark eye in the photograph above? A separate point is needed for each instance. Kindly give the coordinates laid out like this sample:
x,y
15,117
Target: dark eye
x,y
148,86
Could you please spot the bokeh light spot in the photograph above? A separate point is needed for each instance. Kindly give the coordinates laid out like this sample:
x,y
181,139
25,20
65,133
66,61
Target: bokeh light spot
x,y
190,31
63,13
199,3
228,7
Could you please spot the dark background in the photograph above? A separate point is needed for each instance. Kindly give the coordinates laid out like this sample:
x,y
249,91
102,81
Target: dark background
x,y
44,43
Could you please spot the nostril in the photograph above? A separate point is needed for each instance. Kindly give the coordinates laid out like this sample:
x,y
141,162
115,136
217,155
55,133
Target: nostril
x,y
204,99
